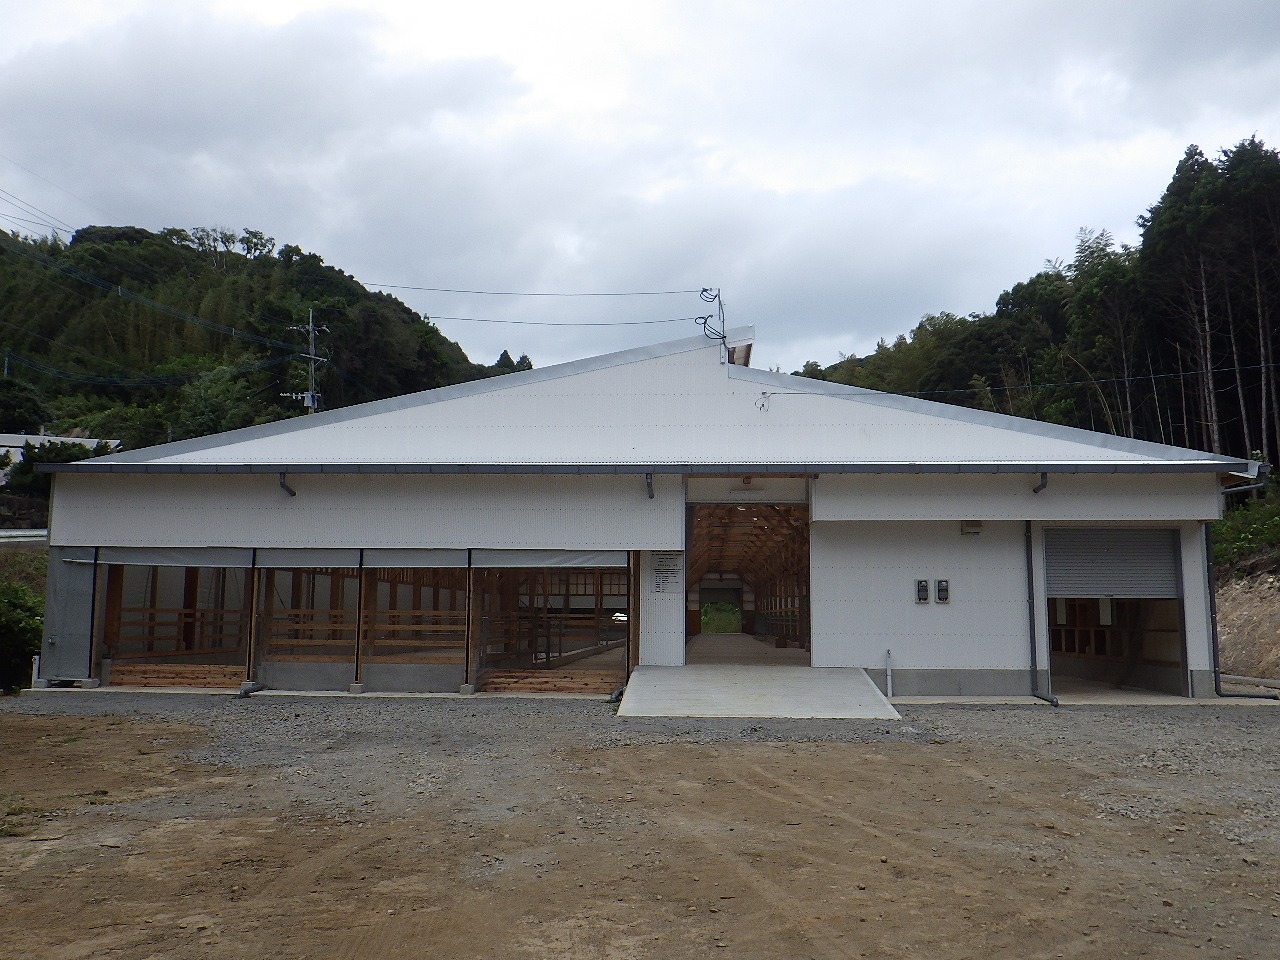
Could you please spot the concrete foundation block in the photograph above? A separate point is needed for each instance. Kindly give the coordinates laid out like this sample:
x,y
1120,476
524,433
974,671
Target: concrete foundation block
x,y
467,689
355,688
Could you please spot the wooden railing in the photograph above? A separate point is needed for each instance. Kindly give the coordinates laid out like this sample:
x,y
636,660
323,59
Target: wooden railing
x,y
161,634
415,636
537,639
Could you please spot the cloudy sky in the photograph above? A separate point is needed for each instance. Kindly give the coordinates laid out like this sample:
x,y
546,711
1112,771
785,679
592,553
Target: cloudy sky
x,y
838,169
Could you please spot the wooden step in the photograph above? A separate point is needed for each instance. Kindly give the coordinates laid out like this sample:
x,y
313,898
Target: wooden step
x,y
175,674
599,682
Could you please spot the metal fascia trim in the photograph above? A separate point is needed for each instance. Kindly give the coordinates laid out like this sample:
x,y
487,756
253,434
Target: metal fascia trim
x,y
733,469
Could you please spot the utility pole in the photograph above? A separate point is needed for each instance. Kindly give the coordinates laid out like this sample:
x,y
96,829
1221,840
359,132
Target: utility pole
x,y
311,399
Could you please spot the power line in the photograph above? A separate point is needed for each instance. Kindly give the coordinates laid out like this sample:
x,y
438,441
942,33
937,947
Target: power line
x,y
32,223
1143,378
54,185
32,208
144,381
106,285
62,344
550,323
516,293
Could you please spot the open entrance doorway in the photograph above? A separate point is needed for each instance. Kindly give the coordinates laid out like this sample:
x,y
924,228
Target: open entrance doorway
x,y
748,583
1119,642
1115,609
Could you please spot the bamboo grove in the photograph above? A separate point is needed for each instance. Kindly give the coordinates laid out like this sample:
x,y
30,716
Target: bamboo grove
x,y
145,337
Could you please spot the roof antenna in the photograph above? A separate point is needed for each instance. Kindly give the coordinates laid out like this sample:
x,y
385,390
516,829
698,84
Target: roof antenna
x,y
710,331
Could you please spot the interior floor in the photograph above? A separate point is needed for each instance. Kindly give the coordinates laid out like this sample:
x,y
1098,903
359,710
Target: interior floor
x,y
612,659
741,648
1076,690
752,560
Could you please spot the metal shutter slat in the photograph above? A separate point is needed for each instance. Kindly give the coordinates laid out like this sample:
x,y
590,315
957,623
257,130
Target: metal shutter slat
x,y
1086,562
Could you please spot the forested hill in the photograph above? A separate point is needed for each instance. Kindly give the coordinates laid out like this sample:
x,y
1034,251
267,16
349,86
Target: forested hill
x,y
146,337
1172,341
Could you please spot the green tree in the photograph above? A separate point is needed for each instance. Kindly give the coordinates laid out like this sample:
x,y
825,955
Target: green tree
x,y
21,627
22,407
255,243
24,481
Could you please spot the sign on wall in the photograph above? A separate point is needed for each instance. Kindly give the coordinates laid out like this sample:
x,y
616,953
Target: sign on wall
x,y
666,571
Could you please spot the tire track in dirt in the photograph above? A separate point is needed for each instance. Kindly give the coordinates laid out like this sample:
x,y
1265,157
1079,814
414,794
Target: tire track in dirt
x,y
773,899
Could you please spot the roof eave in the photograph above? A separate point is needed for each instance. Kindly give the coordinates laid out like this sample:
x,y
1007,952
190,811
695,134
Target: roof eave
x,y
1222,467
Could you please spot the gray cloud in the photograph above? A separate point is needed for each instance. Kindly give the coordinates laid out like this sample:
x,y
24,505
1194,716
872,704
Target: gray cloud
x,y
839,170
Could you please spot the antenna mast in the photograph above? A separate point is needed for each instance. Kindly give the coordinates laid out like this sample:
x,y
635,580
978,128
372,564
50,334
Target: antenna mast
x,y
709,323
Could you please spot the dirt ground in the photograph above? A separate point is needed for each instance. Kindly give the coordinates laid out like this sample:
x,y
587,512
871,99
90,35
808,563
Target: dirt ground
x,y
145,826
1249,622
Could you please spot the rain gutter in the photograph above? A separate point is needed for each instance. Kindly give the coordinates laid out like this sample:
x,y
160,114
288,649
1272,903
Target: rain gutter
x,y
734,469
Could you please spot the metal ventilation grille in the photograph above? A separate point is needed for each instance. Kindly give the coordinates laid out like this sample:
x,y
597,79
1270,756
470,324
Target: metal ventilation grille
x,y
1112,563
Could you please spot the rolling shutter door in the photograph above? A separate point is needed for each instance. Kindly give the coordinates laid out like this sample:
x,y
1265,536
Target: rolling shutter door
x,y
1112,563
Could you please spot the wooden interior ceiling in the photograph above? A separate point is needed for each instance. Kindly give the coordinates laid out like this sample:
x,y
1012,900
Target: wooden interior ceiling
x,y
757,542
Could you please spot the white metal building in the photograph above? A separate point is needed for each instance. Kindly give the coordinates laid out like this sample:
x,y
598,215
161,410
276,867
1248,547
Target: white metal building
x,y
561,526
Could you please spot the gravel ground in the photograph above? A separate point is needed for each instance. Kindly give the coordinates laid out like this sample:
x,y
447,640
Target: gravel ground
x,y
352,753
452,827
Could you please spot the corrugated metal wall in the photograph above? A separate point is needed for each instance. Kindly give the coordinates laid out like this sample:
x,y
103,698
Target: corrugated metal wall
x,y
863,588
1139,497
496,512
662,598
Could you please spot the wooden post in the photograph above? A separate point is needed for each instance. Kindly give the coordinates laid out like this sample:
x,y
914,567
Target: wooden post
x,y
252,639
115,600
361,580
190,600
633,611
599,585
473,629
154,592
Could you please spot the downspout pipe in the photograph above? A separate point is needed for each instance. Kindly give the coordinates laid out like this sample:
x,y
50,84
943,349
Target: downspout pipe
x,y
1212,581
1031,623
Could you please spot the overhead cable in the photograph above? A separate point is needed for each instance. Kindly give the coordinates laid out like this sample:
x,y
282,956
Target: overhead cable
x,y
32,208
145,381
54,185
1146,377
127,294
554,323
517,293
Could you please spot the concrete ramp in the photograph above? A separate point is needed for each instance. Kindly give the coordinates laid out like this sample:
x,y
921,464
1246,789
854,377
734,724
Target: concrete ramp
x,y
745,690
